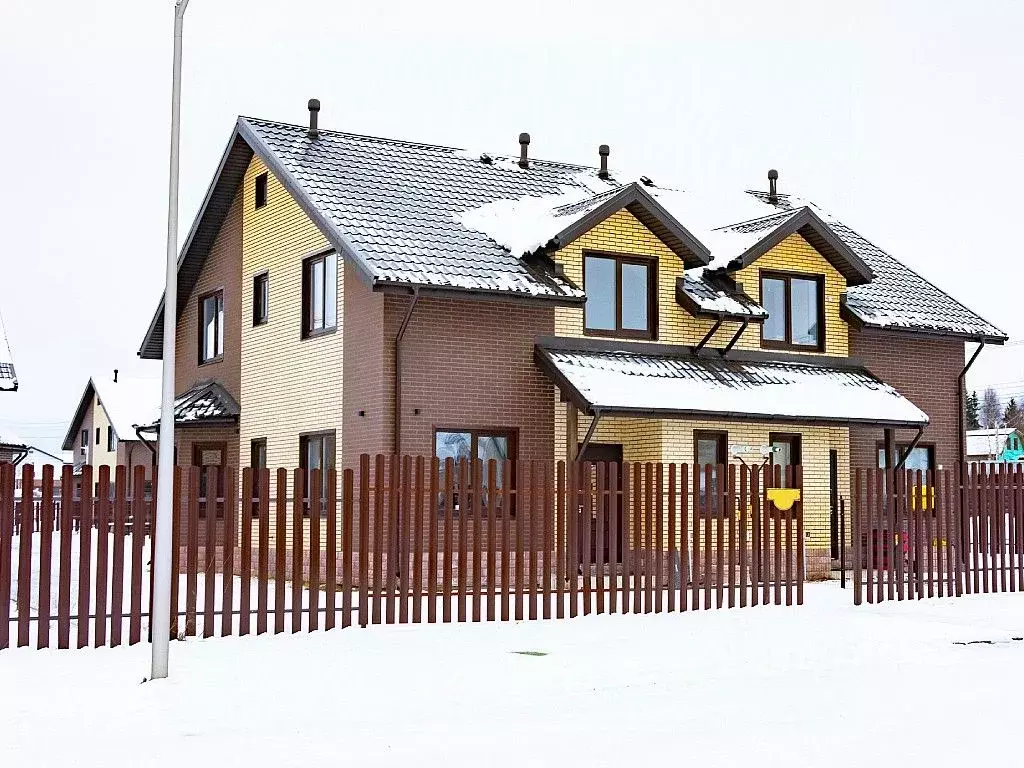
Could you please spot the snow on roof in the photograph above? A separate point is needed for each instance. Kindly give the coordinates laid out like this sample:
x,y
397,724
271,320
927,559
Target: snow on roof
x,y
8,378
987,442
128,403
8,436
712,298
634,382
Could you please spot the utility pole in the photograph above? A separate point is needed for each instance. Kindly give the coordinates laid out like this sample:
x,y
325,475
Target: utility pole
x,y
160,610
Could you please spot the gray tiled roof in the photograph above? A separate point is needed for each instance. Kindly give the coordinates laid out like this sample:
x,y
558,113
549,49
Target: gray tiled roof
x,y
898,297
205,402
396,203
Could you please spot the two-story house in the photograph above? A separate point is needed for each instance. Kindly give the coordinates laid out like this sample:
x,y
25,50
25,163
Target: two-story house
x,y
351,294
109,426
1000,445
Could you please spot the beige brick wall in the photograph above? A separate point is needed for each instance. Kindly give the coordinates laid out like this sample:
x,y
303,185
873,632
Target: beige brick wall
x,y
672,440
289,385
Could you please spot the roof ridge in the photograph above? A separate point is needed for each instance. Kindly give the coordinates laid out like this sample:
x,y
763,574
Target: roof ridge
x,y
413,144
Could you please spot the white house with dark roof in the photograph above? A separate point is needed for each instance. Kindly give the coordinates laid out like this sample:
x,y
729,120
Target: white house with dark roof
x,y
353,294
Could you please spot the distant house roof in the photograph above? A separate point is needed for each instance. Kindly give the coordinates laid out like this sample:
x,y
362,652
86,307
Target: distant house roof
x,y
8,378
128,403
9,438
617,378
987,442
409,215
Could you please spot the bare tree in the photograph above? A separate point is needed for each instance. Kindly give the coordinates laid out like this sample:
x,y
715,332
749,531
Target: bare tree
x,y
991,410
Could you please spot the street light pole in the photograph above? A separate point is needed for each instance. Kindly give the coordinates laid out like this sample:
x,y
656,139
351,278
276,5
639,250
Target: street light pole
x,y
160,611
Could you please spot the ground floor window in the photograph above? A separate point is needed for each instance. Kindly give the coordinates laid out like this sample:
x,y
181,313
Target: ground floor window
x,y
483,444
922,457
316,451
785,455
710,449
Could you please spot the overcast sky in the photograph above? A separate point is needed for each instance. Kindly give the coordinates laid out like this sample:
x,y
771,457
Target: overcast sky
x,y
905,118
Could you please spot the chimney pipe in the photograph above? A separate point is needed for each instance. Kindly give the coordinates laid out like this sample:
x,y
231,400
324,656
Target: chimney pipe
x,y
115,375
524,144
314,110
603,151
773,194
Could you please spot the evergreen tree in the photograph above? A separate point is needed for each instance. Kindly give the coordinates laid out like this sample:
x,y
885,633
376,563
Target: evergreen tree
x,y
1013,415
973,406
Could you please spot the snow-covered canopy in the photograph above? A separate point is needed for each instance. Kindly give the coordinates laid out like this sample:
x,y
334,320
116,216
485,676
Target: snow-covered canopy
x,y
634,382
8,436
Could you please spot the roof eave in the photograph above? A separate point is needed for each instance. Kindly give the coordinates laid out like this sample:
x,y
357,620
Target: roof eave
x,y
691,305
476,294
83,403
857,272
859,323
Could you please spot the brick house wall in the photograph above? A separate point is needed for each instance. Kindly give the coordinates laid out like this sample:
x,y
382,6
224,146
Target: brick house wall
x,y
923,369
467,364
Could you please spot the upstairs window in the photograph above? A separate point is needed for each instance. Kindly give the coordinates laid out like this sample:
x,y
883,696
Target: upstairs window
x,y
211,327
620,296
260,196
111,439
795,305
85,438
319,294
260,298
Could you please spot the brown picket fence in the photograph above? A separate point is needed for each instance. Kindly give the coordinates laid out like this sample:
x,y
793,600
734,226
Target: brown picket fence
x,y
395,540
927,534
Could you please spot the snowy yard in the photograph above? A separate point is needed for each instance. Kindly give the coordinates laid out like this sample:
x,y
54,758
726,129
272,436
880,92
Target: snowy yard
x,y
825,684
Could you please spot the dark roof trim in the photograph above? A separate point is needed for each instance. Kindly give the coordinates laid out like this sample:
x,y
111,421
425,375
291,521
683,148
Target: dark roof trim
x,y
688,303
295,189
651,214
821,237
860,323
592,344
83,405
427,290
551,370
219,196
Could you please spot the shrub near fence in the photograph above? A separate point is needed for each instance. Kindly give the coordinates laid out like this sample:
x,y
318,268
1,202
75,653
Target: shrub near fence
x,y
927,534
398,539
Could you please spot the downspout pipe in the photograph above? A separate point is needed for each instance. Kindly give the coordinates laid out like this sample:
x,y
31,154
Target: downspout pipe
x,y
960,396
138,431
398,369
589,436
910,448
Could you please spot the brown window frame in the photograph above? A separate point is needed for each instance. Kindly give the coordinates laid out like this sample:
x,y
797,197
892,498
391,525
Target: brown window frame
x,y
261,288
304,439
84,442
111,440
260,190
475,433
308,331
651,263
98,434
787,278
197,453
902,447
795,439
218,341
720,436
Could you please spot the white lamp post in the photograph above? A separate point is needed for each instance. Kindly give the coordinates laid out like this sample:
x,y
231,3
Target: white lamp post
x,y
160,610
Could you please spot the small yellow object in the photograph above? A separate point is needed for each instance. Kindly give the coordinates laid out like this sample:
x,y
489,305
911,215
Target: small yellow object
x,y
783,498
922,497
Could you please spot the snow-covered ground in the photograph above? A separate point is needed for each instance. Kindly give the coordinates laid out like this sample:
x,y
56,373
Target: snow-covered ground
x,y
934,683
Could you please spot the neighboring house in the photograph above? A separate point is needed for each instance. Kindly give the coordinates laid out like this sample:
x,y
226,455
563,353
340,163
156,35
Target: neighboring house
x,y
350,294
8,378
995,445
106,425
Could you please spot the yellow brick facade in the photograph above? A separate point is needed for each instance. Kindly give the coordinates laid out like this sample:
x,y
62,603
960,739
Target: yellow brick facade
x,y
289,385
672,440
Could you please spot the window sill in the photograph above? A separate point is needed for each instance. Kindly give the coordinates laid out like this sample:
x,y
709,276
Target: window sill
x,y
781,346
319,333
635,335
212,360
